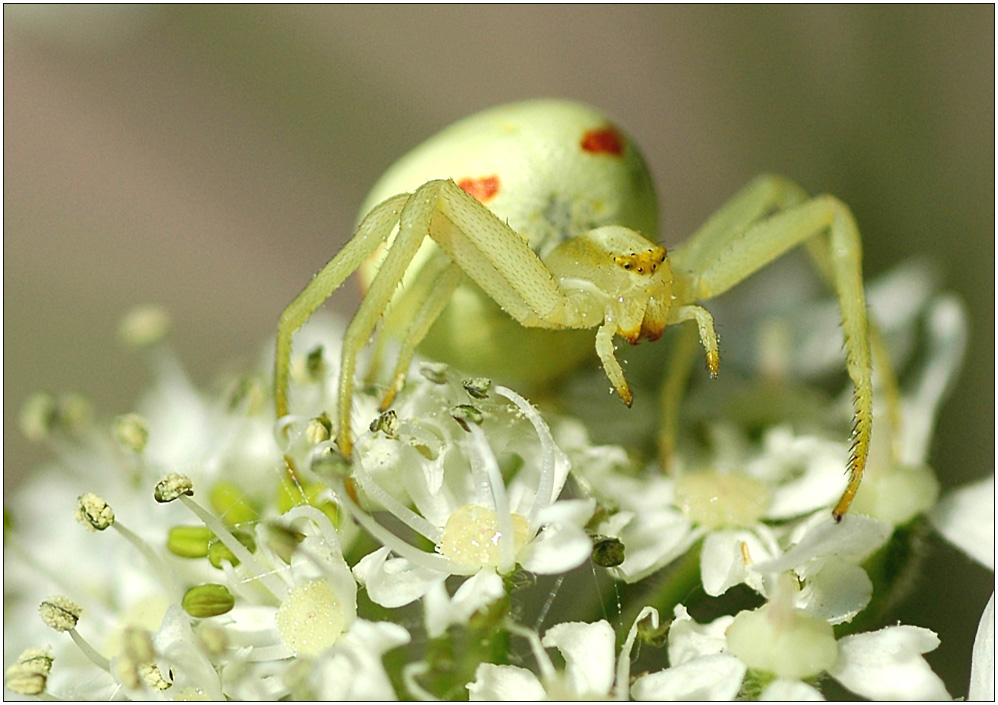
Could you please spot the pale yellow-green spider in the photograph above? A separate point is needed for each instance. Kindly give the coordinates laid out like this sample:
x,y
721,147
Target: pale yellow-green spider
x,y
495,242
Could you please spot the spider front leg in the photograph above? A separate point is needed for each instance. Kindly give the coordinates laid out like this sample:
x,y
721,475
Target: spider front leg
x,y
486,249
431,292
372,233
577,287
761,223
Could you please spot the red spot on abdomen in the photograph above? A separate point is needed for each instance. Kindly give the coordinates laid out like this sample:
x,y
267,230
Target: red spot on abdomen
x,y
603,140
482,188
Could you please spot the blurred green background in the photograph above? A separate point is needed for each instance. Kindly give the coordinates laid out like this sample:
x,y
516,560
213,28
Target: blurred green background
x,y
210,159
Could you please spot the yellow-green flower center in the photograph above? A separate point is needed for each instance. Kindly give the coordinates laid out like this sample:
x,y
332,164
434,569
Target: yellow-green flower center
x,y
715,500
471,536
311,619
785,641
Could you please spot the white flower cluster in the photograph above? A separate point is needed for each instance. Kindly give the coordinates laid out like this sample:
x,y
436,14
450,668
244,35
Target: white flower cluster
x,y
239,560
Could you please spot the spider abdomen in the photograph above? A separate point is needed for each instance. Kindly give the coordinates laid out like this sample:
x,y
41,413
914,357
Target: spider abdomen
x,y
552,170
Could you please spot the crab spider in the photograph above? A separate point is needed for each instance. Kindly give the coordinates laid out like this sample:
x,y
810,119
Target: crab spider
x,y
500,238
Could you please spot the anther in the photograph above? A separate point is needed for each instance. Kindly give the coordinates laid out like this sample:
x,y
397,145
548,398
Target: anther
x,y
97,515
173,486
29,675
132,432
144,326
176,486
63,614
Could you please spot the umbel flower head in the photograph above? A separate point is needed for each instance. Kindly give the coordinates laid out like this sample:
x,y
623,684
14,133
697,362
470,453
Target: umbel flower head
x,y
477,543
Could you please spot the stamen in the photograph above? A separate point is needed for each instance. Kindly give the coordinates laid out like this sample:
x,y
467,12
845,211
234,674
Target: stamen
x,y
319,430
409,674
97,515
377,493
29,675
623,683
429,561
62,614
144,326
547,669
43,416
177,486
153,678
132,432
483,460
553,463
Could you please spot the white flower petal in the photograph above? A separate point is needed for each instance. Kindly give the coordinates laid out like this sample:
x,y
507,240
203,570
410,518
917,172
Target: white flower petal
x,y
946,331
837,592
982,665
717,677
966,517
180,652
474,594
588,651
507,683
689,641
652,540
567,511
722,563
358,653
805,472
393,582
790,691
888,665
556,549
562,544
855,537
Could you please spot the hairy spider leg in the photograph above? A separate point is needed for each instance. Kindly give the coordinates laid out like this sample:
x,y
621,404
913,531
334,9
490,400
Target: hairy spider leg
x,y
371,234
435,285
762,222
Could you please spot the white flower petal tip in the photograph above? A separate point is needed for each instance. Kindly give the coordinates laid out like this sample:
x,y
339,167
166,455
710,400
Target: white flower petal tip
x,y
716,677
966,518
982,666
888,665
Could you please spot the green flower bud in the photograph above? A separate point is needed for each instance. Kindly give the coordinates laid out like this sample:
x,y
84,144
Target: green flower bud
x,y
208,600
218,551
189,541
608,552
229,502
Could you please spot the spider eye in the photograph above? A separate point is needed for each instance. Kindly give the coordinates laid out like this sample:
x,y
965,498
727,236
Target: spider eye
x,y
646,262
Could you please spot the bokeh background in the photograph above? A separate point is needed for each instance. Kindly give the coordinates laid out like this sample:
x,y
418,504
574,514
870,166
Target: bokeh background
x,y
211,158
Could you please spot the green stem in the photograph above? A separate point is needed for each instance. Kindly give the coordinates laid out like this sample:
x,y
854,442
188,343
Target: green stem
x,y
674,585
